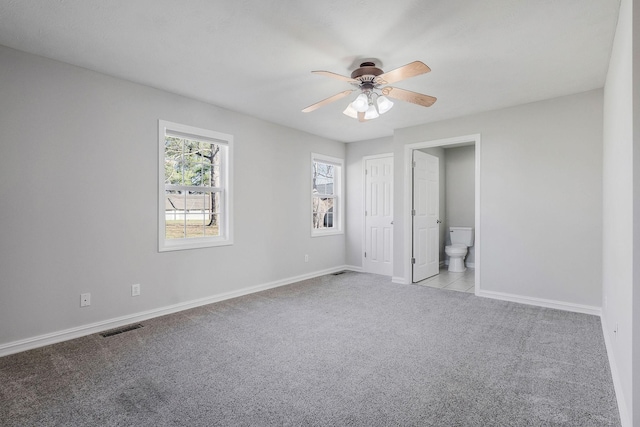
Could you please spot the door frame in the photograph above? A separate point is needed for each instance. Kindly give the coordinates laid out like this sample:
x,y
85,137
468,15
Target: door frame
x,y
364,205
408,196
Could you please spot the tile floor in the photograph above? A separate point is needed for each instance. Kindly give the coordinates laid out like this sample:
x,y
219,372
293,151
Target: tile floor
x,y
462,282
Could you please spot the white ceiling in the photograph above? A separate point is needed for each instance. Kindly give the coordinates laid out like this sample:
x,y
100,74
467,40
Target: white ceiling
x,y
256,56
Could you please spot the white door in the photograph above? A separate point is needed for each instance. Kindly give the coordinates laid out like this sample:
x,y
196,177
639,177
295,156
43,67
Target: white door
x,y
378,220
425,212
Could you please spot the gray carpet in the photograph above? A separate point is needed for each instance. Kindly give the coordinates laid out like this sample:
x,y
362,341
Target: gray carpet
x,y
347,350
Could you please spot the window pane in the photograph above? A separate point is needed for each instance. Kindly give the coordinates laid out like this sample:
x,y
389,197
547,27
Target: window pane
x,y
194,214
217,154
200,174
191,168
212,228
323,213
215,202
190,162
205,150
203,171
202,216
172,160
216,180
195,224
213,215
323,178
174,215
172,172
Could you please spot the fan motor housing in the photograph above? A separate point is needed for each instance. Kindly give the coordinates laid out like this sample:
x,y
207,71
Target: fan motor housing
x,y
366,69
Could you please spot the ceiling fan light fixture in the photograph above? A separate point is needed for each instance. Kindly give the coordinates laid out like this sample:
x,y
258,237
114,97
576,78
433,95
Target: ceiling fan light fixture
x,y
373,98
384,104
371,113
361,104
350,111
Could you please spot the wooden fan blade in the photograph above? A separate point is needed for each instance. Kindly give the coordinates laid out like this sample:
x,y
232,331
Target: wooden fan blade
x,y
361,117
412,69
406,95
329,100
336,76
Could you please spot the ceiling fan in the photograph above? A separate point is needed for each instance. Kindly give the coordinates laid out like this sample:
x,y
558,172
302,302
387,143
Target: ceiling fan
x,y
373,99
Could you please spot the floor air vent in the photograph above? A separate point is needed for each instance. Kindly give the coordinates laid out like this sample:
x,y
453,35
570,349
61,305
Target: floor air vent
x,y
117,331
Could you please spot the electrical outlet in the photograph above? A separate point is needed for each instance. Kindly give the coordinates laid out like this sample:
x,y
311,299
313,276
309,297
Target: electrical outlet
x,y
85,300
135,290
306,258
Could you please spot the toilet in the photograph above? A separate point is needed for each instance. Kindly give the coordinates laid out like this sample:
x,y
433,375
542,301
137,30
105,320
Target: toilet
x,y
461,240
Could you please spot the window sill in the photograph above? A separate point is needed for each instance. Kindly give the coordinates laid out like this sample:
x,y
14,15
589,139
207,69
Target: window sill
x,y
179,245
326,233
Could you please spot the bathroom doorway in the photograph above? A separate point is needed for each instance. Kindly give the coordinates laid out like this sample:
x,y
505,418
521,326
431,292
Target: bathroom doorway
x,y
469,149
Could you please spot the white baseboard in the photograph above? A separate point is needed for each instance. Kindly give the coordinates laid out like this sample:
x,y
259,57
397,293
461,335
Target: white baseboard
x,y
540,302
80,331
353,268
625,420
398,279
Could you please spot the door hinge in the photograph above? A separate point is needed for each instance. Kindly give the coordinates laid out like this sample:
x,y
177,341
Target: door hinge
x,y
365,254
366,213
413,164
366,171
413,212
413,260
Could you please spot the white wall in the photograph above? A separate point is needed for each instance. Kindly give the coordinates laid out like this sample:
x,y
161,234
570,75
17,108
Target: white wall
x,y
460,190
541,197
355,193
78,184
460,186
621,224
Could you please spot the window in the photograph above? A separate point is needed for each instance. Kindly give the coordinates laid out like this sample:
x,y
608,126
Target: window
x,y
194,187
326,195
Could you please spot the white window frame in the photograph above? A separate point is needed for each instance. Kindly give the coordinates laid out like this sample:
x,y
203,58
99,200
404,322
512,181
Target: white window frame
x,y
226,189
338,195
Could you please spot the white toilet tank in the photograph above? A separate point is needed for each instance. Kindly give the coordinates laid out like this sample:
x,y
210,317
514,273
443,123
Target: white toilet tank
x,y
461,236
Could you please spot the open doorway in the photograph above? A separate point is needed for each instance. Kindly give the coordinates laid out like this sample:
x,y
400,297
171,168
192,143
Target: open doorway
x,y
419,233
